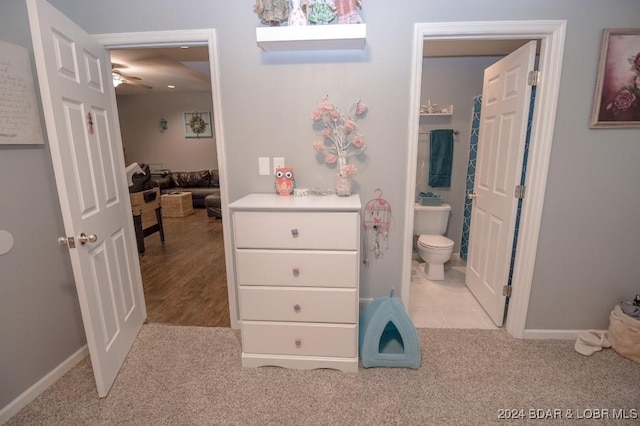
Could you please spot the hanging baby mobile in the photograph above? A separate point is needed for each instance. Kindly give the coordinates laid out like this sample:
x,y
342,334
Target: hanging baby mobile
x,y
340,140
308,12
377,222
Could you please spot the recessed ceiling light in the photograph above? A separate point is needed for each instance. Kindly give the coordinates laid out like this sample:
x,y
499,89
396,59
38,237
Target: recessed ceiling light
x,y
171,86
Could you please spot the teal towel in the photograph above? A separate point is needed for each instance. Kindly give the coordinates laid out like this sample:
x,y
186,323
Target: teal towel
x,y
440,158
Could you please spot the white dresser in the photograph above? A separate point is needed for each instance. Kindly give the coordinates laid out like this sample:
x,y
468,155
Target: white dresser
x,y
297,267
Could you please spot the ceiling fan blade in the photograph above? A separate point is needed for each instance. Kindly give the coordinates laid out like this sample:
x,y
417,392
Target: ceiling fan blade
x,y
137,84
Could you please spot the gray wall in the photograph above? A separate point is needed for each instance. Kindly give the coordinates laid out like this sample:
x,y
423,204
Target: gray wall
x,y
586,255
146,142
40,322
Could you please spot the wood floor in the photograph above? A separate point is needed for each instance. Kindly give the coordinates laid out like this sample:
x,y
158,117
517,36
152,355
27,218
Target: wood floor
x,y
184,280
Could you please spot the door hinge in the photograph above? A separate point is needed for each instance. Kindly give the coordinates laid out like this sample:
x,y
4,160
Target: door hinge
x,y
533,79
519,192
506,291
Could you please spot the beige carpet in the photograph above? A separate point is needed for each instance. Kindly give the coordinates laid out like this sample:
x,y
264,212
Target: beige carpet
x,y
192,376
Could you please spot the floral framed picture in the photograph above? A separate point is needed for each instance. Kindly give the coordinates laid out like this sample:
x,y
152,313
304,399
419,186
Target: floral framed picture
x,y
616,101
197,124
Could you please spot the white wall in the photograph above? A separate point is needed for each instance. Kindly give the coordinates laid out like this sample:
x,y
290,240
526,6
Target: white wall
x,y
145,141
450,81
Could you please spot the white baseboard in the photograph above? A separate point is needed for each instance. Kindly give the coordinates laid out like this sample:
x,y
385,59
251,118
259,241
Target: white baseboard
x,y
43,384
364,301
554,334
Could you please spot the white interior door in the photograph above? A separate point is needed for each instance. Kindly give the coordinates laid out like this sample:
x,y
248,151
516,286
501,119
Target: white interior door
x,y
503,125
74,73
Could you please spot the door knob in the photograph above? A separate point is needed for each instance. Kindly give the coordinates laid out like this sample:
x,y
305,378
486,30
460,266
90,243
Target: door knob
x,y
67,241
471,195
84,238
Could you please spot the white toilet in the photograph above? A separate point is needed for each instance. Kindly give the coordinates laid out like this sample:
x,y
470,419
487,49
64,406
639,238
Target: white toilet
x,y
430,224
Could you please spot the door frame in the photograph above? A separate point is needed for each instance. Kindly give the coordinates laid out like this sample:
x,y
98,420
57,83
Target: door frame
x,y
552,36
196,37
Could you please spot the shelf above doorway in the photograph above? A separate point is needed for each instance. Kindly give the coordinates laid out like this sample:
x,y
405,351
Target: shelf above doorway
x,y
312,37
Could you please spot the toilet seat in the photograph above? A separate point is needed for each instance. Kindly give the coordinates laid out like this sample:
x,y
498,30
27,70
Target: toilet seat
x,y
435,242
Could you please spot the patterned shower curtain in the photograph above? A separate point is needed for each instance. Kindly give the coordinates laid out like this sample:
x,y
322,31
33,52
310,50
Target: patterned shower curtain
x,y
471,175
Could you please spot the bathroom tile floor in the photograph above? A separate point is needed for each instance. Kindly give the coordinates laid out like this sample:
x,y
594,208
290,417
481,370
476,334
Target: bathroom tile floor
x,y
444,304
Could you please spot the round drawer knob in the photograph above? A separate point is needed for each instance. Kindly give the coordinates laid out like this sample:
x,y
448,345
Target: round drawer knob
x,y
294,233
296,272
298,343
296,307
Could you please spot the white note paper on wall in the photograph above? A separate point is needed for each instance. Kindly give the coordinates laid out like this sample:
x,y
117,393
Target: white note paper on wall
x,y
19,113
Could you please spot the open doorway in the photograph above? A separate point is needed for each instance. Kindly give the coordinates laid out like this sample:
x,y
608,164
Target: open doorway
x,y
220,227
551,34
451,98
184,277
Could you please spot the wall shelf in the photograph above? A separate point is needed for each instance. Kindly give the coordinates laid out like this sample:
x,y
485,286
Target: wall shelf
x,y
312,37
448,110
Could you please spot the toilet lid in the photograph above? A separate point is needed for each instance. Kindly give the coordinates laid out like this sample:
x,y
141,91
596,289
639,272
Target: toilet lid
x,y
437,241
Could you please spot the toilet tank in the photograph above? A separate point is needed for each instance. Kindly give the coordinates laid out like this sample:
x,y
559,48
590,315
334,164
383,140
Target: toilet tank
x,y
430,220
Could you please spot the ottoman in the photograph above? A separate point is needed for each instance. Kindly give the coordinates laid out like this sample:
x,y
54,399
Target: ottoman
x,y
212,204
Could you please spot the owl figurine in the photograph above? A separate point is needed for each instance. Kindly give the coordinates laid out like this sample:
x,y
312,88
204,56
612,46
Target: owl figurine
x,y
285,181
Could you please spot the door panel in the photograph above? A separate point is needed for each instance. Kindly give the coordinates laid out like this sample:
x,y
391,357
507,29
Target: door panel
x,y
79,105
502,135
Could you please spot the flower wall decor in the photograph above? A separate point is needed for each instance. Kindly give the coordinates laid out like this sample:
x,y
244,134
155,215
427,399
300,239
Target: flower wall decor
x,y
340,139
617,98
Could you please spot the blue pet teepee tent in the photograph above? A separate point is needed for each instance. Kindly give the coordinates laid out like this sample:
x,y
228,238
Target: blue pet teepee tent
x,y
387,337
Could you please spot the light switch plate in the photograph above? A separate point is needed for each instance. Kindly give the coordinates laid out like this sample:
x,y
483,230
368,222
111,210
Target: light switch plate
x,y
263,166
277,163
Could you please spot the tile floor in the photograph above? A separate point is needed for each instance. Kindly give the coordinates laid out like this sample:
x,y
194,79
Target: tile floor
x,y
444,304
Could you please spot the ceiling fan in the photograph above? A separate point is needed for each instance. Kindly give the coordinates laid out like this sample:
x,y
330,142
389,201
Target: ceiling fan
x,y
120,78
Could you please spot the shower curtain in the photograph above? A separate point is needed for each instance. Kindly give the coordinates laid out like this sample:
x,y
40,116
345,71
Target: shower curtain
x,y
471,174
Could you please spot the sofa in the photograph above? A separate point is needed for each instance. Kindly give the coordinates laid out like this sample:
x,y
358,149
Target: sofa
x,y
204,186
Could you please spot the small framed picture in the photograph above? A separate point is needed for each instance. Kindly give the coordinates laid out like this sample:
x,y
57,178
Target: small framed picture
x,y
616,102
197,124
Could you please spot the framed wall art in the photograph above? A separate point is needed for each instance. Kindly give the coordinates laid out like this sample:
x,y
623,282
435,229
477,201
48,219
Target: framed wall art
x,y
616,102
197,124
19,107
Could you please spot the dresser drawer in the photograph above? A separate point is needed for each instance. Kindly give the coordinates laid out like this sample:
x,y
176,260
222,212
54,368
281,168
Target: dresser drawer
x,y
281,338
308,268
297,230
298,304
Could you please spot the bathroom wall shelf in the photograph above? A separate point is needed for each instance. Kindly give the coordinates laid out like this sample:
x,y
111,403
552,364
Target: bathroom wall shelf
x,y
312,37
445,111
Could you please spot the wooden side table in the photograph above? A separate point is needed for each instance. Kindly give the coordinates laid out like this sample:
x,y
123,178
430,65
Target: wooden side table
x,y
143,206
177,205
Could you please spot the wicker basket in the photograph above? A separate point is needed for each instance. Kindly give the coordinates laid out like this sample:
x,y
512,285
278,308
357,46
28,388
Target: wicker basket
x,y
177,205
429,199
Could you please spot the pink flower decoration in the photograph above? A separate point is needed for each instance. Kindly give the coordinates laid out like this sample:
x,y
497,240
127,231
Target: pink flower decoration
x,y
335,115
327,132
349,170
316,115
361,108
325,106
319,146
330,159
349,126
358,142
